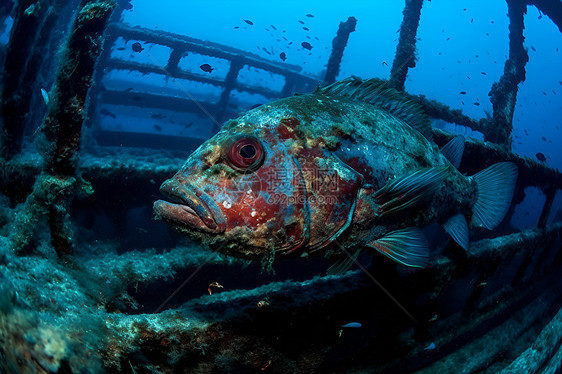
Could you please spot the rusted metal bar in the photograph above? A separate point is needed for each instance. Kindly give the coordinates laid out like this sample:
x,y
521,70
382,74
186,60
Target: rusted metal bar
x,y
435,109
55,188
149,100
503,94
119,64
62,125
229,85
202,47
482,154
215,321
174,59
405,51
550,193
544,355
338,46
29,16
552,8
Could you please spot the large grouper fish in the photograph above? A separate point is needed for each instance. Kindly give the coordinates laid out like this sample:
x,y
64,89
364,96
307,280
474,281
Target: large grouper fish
x,y
350,166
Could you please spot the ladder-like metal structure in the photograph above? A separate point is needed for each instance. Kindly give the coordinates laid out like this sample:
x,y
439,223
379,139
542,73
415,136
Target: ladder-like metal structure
x,y
495,309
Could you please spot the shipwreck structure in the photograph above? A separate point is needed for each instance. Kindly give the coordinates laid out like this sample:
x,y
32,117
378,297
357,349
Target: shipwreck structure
x,y
74,300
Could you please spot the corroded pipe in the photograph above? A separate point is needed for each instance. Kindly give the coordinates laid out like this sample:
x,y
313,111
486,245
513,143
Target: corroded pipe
x,y
338,45
63,123
29,15
503,94
405,51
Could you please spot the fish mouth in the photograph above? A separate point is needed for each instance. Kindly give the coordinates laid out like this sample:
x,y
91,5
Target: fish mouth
x,y
189,207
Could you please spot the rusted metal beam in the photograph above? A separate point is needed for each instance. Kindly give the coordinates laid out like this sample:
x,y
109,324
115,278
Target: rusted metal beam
x,y
338,45
55,188
405,50
17,83
483,154
202,47
118,64
294,308
503,94
438,110
62,125
552,8
550,192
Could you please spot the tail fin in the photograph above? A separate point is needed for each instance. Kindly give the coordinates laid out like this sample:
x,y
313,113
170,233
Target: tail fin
x,y
495,190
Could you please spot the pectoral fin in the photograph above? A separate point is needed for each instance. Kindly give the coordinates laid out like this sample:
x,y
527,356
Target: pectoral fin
x,y
407,246
409,190
457,227
453,150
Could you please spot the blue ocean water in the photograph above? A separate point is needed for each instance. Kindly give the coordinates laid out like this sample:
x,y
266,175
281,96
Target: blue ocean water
x,y
460,52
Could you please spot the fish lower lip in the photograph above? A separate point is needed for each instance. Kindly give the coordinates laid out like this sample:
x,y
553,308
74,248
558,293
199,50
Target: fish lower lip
x,y
191,207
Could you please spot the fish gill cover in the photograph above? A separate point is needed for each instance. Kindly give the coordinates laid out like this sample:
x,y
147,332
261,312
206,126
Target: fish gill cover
x,y
337,187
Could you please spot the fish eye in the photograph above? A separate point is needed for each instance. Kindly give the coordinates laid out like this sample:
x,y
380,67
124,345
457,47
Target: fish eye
x,y
245,154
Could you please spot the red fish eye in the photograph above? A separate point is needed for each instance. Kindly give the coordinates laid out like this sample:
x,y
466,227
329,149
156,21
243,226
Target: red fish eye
x,y
245,153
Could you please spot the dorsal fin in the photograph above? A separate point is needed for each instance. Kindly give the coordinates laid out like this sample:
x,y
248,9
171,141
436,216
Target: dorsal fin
x,y
376,92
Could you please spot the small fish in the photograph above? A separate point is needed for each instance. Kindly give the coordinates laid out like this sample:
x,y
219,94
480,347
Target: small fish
x,y
533,48
137,47
206,68
543,138
236,27
476,103
471,20
541,157
463,92
306,45
248,22
283,56
384,63
352,325
157,127
273,27
45,96
262,303
310,15
483,72
214,284
306,29
430,347
121,48
301,22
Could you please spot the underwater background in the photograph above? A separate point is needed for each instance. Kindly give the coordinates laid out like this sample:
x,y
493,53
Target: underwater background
x,y
89,280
